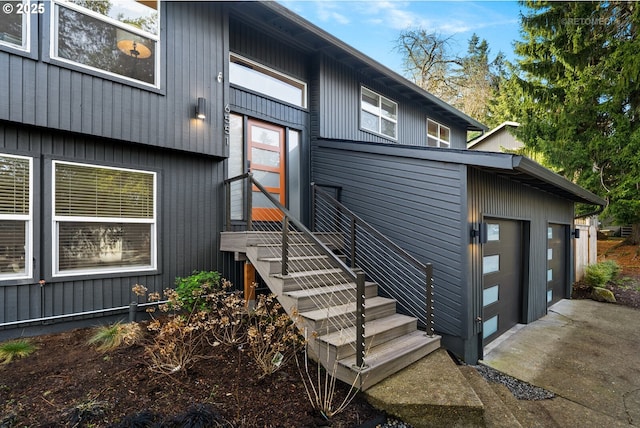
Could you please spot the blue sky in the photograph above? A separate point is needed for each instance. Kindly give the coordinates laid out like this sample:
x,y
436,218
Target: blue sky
x,y
373,26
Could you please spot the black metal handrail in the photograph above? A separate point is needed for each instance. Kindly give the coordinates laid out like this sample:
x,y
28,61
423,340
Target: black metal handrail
x,y
385,246
288,218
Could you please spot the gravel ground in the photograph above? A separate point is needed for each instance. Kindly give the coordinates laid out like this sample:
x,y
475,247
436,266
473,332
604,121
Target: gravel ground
x,y
520,389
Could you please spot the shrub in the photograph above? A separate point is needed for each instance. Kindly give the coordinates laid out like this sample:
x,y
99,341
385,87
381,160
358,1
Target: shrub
x,y
191,290
110,337
597,275
19,348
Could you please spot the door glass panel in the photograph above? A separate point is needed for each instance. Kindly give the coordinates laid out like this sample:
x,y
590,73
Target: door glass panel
x,y
490,264
260,200
267,179
265,136
550,233
549,295
235,164
489,327
490,295
294,175
265,157
550,275
493,232
550,254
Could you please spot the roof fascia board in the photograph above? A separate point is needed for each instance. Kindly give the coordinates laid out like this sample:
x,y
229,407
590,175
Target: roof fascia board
x,y
529,167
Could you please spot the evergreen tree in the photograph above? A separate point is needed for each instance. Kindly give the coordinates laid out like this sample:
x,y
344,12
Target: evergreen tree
x,y
580,104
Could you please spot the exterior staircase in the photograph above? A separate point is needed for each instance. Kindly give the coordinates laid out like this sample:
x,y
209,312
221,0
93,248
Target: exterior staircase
x,y
321,297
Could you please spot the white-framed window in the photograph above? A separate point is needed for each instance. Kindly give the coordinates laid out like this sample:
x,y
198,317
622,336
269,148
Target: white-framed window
x,y
104,219
117,37
15,22
378,114
258,78
16,217
438,135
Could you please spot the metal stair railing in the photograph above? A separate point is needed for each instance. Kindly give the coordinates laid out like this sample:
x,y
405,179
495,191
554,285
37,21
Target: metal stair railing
x,y
287,238
399,275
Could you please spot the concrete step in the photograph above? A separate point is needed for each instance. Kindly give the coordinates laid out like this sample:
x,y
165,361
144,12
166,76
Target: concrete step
x,y
341,344
326,320
387,358
321,297
432,392
496,412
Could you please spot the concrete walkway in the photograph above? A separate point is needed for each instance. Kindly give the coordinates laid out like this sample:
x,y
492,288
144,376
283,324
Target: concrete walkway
x,y
588,353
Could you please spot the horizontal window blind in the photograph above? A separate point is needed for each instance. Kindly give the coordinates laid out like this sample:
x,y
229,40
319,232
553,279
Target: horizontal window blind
x,y
87,191
12,247
14,185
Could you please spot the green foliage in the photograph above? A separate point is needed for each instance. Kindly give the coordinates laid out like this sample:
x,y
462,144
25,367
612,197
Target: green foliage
x,y
577,96
597,275
191,290
13,349
110,337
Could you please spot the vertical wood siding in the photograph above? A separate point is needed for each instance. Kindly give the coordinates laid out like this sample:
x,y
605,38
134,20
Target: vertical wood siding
x,y
43,94
339,107
188,221
414,202
494,196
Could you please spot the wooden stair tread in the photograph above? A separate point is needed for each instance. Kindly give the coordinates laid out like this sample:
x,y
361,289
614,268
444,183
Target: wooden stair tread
x,y
392,350
316,291
343,309
372,328
308,273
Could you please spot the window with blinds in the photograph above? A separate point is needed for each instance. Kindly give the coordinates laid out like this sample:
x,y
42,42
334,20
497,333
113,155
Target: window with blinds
x,y
104,219
15,216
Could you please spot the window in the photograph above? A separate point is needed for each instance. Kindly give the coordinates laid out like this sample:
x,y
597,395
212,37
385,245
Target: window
x,y
378,114
119,37
437,135
16,180
104,219
14,24
258,78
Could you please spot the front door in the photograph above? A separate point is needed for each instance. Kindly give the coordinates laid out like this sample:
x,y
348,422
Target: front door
x,y
266,156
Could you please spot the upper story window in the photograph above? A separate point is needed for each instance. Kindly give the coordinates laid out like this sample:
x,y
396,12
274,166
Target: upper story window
x,y
438,135
104,219
14,23
258,78
119,37
378,114
16,189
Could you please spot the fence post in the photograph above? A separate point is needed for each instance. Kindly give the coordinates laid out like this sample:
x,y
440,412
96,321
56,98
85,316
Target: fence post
x,y
429,295
285,246
360,319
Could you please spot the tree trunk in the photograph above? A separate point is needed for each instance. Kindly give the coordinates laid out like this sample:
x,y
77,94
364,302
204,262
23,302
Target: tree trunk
x,y
634,238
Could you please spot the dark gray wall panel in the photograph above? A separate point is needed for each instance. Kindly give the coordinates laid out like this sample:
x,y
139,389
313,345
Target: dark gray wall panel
x,y
188,221
264,108
414,202
340,110
45,94
493,196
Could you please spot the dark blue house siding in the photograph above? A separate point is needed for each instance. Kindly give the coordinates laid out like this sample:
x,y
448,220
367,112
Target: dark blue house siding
x,y
339,109
193,53
189,219
415,202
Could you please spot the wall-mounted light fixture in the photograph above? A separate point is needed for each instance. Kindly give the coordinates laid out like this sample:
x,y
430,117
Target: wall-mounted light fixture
x,y
576,233
201,108
479,231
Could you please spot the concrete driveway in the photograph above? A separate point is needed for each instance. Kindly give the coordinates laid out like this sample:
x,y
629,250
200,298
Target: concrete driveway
x,y
588,353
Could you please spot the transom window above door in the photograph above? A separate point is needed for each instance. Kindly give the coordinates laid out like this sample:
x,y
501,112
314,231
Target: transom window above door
x,y
258,78
378,114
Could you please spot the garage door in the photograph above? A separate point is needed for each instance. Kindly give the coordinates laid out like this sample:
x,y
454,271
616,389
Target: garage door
x,y
556,263
501,277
